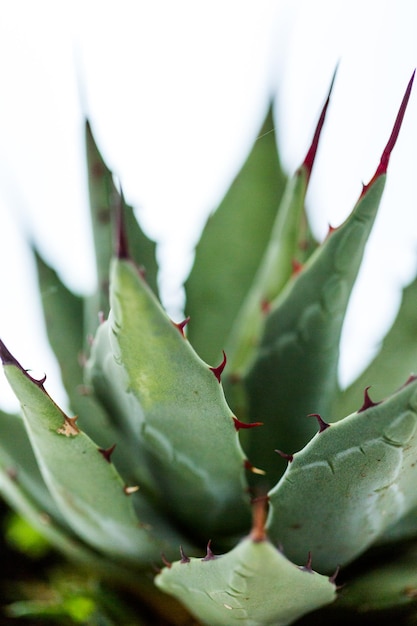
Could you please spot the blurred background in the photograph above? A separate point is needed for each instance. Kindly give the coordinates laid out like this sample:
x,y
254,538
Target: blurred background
x,y
176,93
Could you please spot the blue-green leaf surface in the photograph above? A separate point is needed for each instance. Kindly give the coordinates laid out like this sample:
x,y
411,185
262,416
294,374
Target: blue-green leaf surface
x,y
174,407
351,483
252,585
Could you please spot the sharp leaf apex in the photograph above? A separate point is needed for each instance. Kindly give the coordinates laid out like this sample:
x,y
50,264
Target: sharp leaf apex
x,y
386,154
122,250
311,154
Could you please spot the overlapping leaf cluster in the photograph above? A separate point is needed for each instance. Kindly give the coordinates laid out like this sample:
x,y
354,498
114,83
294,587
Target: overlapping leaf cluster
x,y
174,431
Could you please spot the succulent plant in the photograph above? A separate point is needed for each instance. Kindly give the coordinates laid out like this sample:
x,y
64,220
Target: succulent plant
x,y
222,451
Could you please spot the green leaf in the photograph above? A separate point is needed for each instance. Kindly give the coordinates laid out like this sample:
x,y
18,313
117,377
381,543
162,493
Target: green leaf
x,y
394,362
63,314
104,198
18,461
273,274
353,481
232,246
85,486
252,585
282,251
387,584
295,372
175,409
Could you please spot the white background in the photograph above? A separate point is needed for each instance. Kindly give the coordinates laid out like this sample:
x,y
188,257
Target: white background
x,y
176,92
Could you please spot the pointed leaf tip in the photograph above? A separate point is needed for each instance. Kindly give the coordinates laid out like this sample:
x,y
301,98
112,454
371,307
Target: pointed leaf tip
x,y
7,358
385,157
122,250
311,154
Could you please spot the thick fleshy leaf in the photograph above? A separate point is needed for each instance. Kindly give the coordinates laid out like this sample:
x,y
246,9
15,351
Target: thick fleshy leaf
x,y
18,461
295,372
395,361
63,314
281,257
252,585
104,199
353,481
173,405
387,584
84,484
232,245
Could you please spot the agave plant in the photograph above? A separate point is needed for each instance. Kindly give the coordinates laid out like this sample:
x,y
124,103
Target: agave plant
x,y
222,451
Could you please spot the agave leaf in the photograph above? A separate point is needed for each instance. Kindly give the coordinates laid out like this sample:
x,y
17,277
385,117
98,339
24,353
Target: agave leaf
x,y
394,362
176,409
355,479
83,482
386,585
295,372
403,530
277,264
19,462
63,314
232,246
104,198
252,585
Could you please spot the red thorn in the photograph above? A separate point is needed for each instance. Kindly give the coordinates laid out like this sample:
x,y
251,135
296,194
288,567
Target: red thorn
x,y
265,306
238,424
209,554
255,470
385,157
259,513
182,325
106,453
296,267
311,154
367,402
122,250
322,424
7,358
409,380
330,231
307,567
217,371
332,578
165,561
287,457
184,557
